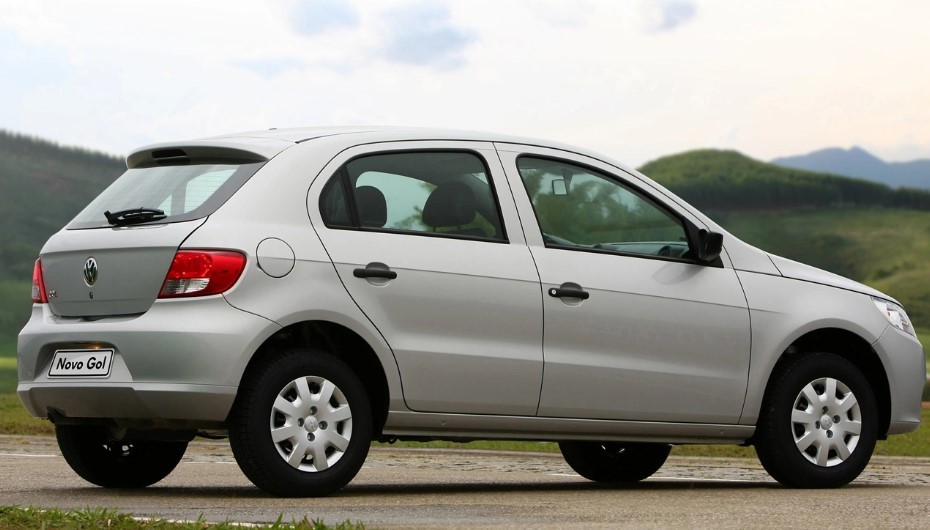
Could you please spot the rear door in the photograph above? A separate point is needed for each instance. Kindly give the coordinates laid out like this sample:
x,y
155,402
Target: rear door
x,y
425,238
635,328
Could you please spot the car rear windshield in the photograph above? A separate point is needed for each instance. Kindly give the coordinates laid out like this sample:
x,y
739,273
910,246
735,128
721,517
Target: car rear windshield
x,y
182,192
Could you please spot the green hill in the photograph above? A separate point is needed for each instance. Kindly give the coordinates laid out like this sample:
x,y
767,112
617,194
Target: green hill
x,y
716,180
865,231
42,186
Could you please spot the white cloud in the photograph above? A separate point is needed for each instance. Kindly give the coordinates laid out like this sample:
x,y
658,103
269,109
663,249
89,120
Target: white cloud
x,y
423,34
31,64
666,15
269,67
312,17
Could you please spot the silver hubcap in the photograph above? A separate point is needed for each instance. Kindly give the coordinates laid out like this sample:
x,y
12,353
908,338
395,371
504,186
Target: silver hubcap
x,y
826,422
311,423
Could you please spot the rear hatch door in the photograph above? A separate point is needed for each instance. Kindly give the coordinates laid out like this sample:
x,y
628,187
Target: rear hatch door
x,y
111,271
113,257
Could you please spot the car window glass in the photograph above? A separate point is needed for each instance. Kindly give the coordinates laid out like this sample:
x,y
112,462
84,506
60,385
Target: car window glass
x,y
183,192
195,193
404,199
334,207
579,208
439,193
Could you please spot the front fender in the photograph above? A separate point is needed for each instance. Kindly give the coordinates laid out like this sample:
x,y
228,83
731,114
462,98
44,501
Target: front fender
x,y
782,310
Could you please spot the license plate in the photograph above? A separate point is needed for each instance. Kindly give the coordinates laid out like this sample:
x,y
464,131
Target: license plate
x,y
81,363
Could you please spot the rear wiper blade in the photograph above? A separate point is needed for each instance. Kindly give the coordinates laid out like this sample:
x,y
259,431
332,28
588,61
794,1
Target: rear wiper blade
x,y
134,216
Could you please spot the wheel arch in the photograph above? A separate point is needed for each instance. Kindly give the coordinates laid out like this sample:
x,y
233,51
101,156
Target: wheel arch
x,y
853,348
345,344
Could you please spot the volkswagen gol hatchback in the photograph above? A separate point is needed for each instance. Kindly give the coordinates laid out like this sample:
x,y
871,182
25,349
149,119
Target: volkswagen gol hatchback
x,y
305,292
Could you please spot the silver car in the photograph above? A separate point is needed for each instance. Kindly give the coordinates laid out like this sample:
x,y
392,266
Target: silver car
x,y
307,291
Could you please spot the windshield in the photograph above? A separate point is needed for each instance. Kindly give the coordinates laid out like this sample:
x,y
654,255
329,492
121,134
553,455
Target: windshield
x,y
182,192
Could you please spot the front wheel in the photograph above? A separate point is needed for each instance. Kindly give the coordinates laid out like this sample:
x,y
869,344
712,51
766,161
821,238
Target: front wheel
x,y
116,464
302,424
614,462
819,422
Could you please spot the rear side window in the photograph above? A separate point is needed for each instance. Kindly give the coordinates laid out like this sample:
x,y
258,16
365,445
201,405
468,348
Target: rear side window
x,y
430,193
183,192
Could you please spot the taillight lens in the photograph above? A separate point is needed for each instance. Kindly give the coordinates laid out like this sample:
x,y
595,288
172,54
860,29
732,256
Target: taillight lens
x,y
39,295
201,273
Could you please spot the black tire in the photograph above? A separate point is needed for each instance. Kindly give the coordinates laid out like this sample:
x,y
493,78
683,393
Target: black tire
x,y
614,462
784,429
310,435
113,464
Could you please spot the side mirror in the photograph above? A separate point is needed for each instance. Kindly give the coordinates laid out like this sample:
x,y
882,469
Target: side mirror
x,y
709,245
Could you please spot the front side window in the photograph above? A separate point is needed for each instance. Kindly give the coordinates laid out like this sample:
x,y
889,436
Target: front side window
x,y
582,209
434,193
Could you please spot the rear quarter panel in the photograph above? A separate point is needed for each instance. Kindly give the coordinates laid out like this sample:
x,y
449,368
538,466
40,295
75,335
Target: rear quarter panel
x,y
273,204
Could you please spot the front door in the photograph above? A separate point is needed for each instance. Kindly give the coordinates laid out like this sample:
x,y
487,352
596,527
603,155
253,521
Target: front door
x,y
635,328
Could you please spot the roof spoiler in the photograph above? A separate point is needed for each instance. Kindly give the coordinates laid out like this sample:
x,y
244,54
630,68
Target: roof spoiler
x,y
205,152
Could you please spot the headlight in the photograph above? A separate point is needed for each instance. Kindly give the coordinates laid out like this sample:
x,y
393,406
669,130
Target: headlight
x,y
895,315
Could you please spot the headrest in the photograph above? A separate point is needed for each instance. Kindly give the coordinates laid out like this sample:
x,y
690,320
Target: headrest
x,y
451,204
372,208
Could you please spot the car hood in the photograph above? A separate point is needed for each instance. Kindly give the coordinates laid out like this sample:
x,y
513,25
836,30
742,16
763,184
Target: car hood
x,y
800,271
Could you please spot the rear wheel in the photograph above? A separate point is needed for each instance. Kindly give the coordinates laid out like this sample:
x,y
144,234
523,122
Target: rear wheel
x,y
819,423
302,424
116,464
614,462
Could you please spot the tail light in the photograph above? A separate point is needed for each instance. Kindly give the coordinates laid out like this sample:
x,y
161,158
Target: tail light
x,y
201,273
39,295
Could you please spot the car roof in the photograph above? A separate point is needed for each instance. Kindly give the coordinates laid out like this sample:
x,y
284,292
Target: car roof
x,y
267,143
303,134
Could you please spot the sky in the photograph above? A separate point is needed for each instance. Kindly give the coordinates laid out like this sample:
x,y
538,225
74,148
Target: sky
x,y
634,79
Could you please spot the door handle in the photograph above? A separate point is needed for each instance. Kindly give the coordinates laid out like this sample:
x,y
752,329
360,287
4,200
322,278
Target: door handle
x,y
569,290
375,270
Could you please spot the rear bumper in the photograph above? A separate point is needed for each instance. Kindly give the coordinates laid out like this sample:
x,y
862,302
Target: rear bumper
x,y
126,403
180,361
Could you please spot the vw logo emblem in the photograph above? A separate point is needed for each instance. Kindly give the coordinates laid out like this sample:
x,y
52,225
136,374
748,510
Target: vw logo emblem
x,y
90,272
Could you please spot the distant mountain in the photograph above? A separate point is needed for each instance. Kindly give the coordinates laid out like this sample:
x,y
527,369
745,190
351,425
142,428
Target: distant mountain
x,y
720,181
857,162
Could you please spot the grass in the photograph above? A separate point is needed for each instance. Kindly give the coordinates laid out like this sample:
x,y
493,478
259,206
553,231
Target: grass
x,y
15,420
916,443
7,346
14,517
13,416
7,363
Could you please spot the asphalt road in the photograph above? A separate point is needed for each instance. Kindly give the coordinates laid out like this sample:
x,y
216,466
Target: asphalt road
x,y
444,488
